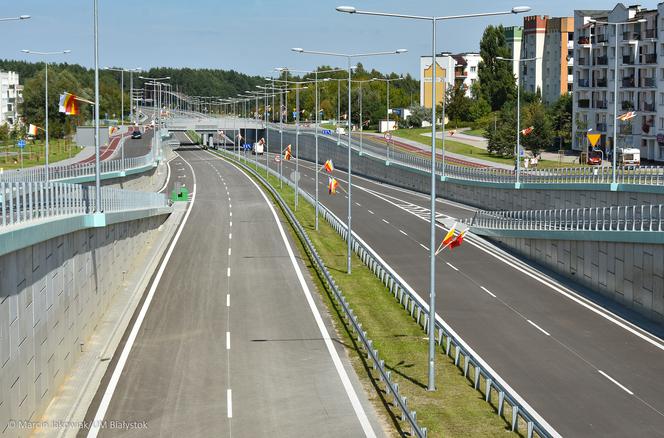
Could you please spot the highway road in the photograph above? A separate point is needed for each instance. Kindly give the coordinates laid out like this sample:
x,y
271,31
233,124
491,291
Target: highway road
x,y
585,370
235,341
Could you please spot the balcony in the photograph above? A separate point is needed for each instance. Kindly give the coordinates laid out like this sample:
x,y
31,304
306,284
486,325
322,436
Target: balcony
x,y
631,36
648,82
600,104
628,82
602,60
602,39
583,83
627,105
600,83
648,107
627,59
583,40
584,103
601,127
582,61
650,58
625,129
651,33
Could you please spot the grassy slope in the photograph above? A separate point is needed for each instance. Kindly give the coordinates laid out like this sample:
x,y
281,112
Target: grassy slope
x,y
34,154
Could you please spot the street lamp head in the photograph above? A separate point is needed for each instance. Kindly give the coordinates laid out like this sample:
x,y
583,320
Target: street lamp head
x,y
25,51
66,51
500,58
23,17
297,49
520,9
401,50
642,20
346,9
326,79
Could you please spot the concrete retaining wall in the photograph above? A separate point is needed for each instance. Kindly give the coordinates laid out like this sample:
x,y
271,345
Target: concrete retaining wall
x,y
483,196
52,296
631,274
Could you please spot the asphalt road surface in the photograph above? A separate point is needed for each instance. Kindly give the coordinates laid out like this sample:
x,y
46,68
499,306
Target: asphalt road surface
x,y
232,343
585,370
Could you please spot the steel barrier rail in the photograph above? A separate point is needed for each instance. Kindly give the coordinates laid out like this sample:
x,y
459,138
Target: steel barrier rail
x,y
446,337
616,218
642,175
24,202
378,364
37,174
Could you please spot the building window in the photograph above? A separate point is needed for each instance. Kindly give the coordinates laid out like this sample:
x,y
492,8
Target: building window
x,y
661,123
473,69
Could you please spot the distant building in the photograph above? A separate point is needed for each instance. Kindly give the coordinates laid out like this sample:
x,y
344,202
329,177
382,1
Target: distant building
x,y
462,67
639,84
551,41
11,96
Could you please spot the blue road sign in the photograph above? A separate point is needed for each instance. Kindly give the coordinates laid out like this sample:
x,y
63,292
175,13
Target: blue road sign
x,y
21,144
294,114
247,146
327,132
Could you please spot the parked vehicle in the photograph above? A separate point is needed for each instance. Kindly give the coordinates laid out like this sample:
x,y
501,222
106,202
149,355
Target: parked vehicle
x,y
629,157
594,158
136,135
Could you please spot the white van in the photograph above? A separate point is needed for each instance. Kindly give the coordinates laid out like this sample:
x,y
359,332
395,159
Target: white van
x,y
629,157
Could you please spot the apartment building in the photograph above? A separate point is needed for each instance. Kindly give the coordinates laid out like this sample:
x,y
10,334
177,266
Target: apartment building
x,y
640,77
11,96
462,67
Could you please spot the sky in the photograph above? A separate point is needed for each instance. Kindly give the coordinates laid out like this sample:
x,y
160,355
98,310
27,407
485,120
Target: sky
x,y
254,36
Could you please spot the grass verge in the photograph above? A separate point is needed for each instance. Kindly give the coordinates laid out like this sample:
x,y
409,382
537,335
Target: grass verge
x,y
415,134
34,154
455,409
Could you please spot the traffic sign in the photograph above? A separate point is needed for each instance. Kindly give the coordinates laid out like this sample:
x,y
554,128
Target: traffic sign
x,y
294,114
247,146
21,143
388,136
593,138
327,132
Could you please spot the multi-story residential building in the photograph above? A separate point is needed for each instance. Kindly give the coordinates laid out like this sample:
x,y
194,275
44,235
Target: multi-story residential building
x,y
462,67
639,73
11,96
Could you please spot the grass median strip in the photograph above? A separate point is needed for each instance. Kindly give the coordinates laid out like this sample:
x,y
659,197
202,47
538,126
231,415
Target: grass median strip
x,y
455,409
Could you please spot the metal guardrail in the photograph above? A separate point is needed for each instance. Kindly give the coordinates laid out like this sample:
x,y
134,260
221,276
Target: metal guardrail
x,y
25,202
628,218
446,336
55,172
378,364
641,175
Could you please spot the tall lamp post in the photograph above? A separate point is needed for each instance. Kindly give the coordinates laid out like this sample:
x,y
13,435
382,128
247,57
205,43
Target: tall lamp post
x,y
432,244
387,112
155,82
361,118
518,115
616,26
349,57
46,147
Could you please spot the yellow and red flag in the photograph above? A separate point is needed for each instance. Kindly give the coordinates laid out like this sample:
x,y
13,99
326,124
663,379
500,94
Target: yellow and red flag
x,y
458,241
329,166
69,104
332,186
32,130
288,154
628,115
527,131
449,236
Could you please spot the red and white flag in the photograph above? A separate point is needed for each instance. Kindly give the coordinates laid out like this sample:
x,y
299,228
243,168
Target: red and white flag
x,y
628,115
527,131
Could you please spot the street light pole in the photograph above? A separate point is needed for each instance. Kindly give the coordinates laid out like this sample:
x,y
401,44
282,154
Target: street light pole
x,y
97,162
46,133
349,57
432,250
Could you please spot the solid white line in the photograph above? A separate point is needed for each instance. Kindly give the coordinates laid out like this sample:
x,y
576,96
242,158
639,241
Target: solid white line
x,y
425,247
451,266
370,212
228,272
488,291
403,232
616,382
336,360
229,403
168,175
117,372
228,340
385,221
538,327
228,300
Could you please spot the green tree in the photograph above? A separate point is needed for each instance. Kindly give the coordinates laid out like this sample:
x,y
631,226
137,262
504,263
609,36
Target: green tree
x,y
561,119
541,137
4,132
418,114
502,140
497,82
478,109
457,104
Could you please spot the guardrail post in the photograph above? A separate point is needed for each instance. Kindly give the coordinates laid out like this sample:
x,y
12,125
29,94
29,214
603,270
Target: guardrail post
x,y
487,393
515,418
501,402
